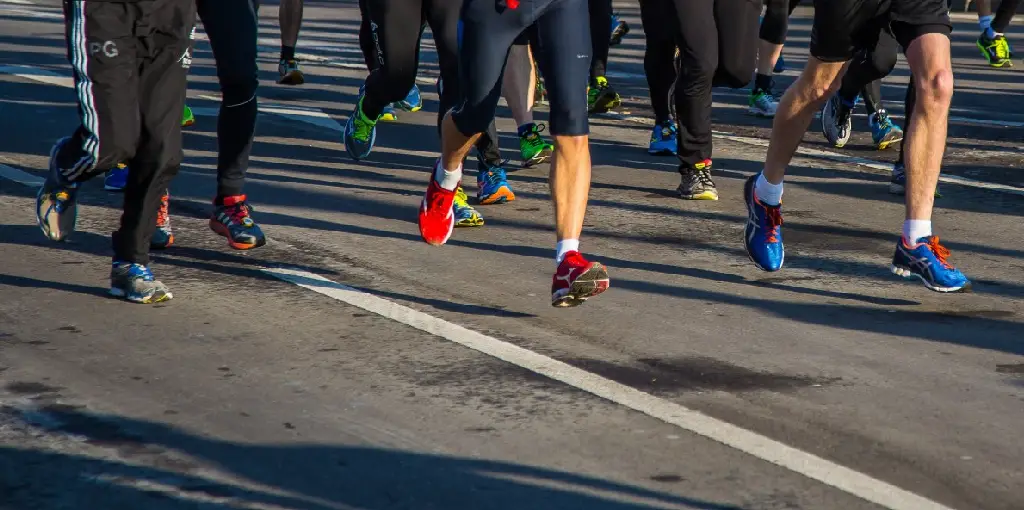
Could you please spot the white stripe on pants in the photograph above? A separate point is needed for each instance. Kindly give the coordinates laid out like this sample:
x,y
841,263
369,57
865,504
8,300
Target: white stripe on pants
x,y
83,87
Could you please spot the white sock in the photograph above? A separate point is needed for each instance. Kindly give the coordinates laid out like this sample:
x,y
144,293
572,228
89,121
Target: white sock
x,y
916,229
985,22
448,179
565,246
767,193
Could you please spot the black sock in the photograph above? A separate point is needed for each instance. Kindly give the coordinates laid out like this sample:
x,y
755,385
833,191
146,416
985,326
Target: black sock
x,y
763,82
287,52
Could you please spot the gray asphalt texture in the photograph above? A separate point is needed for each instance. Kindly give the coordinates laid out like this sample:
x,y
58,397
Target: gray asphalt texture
x,y
249,392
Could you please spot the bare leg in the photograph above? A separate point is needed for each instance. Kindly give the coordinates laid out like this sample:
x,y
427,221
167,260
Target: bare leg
x,y
290,17
767,55
929,59
517,86
454,145
801,101
570,184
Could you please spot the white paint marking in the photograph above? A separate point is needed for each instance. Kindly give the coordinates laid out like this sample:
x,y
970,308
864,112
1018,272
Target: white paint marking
x,y
812,466
314,116
40,75
20,177
17,2
31,14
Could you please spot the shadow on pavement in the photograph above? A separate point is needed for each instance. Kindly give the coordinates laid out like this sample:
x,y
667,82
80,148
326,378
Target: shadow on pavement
x,y
310,476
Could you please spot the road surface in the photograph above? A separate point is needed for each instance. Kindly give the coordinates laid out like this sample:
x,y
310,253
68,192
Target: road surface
x,y
348,365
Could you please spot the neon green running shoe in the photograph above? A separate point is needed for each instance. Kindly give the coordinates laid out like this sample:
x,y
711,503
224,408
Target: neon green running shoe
x,y
187,118
533,148
465,215
601,97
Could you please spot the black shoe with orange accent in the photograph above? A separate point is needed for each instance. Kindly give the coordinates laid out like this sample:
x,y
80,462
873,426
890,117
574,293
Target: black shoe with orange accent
x,y
163,236
577,280
232,221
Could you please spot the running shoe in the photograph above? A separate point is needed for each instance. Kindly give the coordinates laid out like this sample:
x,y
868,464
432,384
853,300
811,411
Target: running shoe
x,y
412,102
884,132
533,148
492,185
762,103
116,178
601,97
577,280
187,117
663,139
780,65
619,30
163,236
696,182
898,181
289,73
389,113
835,121
465,215
135,282
995,50
233,221
56,201
927,260
436,217
762,236
360,133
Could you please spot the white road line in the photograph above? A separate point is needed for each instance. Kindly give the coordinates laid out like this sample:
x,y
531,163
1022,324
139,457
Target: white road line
x,y
835,156
39,74
20,177
812,466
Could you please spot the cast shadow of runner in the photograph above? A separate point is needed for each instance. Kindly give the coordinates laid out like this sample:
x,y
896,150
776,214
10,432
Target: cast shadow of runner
x,y
322,476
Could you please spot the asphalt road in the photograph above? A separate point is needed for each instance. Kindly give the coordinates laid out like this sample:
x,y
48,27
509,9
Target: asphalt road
x,y
347,365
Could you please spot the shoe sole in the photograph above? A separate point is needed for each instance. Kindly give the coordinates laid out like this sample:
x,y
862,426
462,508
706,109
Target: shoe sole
x,y
541,158
292,78
592,282
662,152
885,144
469,223
389,117
158,297
220,230
906,273
498,197
704,195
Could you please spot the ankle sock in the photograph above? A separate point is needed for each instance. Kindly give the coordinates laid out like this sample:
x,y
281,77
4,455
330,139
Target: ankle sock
x,y
565,246
448,179
767,193
916,229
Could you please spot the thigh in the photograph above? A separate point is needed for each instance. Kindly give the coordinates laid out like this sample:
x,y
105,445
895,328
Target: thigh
x,y
565,64
231,26
102,52
395,29
838,27
162,77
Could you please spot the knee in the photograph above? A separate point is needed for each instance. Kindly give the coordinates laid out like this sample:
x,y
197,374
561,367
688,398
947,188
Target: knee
x,y
935,89
238,89
820,83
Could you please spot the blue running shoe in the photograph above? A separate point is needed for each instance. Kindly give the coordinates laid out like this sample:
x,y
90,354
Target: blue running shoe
x,y
56,202
663,139
135,283
926,259
780,65
412,102
762,237
492,184
360,133
883,131
116,178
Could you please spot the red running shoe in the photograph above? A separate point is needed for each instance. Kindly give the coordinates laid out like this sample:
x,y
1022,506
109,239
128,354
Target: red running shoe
x,y
576,280
436,218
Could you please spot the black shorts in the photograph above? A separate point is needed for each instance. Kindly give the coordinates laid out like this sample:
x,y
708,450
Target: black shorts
x,y
562,54
844,27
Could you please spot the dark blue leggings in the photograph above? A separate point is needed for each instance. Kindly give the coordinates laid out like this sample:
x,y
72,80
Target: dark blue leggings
x,y
562,54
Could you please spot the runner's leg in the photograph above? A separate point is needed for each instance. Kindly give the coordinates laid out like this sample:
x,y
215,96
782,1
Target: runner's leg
x,y
290,18
660,34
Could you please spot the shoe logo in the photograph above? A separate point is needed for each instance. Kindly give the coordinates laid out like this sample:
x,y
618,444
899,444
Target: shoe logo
x,y
247,223
567,277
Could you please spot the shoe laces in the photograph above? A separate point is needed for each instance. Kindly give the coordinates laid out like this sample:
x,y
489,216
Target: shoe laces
x,y
666,130
881,120
137,270
163,215
703,177
461,199
363,125
435,200
1002,47
532,137
238,212
941,252
773,220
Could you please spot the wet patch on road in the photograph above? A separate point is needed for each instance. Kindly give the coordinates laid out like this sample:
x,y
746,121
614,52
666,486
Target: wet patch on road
x,y
1013,368
30,388
674,375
